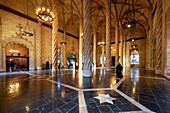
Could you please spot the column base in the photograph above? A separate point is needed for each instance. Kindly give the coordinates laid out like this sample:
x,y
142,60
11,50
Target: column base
x,y
108,69
31,69
54,69
87,73
167,71
39,68
159,72
2,70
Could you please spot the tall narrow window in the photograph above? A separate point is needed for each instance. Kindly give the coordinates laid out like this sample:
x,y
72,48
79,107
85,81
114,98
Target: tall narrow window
x,y
135,57
59,54
101,58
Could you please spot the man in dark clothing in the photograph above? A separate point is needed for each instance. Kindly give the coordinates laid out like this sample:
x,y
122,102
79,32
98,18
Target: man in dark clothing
x,y
119,69
59,66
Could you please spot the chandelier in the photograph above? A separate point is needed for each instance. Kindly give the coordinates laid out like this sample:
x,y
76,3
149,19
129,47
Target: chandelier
x,y
129,18
129,23
101,43
44,13
63,43
134,45
26,30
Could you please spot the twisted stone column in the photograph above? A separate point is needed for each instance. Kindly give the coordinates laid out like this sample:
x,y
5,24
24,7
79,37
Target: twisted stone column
x,y
64,50
167,55
159,66
103,37
55,37
151,47
117,45
64,60
0,45
81,45
38,46
124,50
31,60
121,46
3,58
108,34
87,37
94,48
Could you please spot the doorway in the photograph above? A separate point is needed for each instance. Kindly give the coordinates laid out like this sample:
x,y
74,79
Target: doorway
x,y
113,60
17,63
134,58
71,61
17,57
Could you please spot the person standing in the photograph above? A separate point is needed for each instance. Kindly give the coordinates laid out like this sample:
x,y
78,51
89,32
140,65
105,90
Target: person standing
x,y
59,65
77,66
18,65
12,66
119,69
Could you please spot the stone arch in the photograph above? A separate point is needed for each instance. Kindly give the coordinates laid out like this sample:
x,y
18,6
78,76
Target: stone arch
x,y
19,40
167,43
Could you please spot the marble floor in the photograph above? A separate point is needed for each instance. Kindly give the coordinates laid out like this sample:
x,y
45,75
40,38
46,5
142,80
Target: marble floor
x,y
66,91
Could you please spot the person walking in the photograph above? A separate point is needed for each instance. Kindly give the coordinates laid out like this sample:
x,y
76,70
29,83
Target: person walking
x,y
119,69
59,65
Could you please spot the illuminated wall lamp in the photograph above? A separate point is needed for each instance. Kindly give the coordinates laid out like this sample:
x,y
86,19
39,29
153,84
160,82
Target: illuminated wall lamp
x,y
101,43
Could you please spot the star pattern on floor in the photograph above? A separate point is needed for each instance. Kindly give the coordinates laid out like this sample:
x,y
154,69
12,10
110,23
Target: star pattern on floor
x,y
105,98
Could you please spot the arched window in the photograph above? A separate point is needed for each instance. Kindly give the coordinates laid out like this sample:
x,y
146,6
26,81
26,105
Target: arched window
x,y
101,58
59,55
134,57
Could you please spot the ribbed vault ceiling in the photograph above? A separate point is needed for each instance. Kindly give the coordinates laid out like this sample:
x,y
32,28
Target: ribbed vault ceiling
x,y
71,10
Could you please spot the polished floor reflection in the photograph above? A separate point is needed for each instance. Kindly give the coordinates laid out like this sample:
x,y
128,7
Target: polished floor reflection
x,y
67,91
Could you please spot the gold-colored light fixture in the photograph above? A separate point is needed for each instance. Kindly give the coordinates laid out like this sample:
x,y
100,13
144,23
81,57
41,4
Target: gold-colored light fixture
x,y
63,43
134,45
129,18
44,13
26,30
101,43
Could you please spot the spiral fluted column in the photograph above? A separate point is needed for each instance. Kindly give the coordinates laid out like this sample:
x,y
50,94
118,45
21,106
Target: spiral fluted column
x,y
3,58
0,45
55,37
38,46
94,48
121,46
117,45
108,40
103,40
124,51
81,45
64,50
158,35
87,37
167,55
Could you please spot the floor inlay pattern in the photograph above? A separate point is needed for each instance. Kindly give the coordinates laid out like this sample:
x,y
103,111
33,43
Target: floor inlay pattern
x,y
153,93
140,91
120,104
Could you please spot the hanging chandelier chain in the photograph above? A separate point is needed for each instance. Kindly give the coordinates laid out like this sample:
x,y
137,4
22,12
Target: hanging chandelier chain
x,y
129,18
26,30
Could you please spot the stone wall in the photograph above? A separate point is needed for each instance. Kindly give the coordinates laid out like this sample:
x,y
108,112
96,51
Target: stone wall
x,y
9,22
